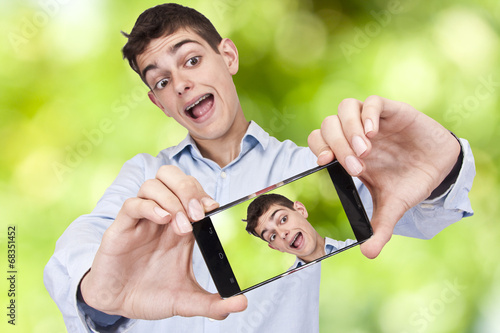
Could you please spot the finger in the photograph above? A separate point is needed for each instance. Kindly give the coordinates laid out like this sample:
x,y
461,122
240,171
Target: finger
x,y
333,135
320,148
195,201
209,204
383,221
155,190
349,113
376,108
136,209
370,115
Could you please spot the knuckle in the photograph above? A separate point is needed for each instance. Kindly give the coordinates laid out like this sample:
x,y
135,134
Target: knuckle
x,y
329,122
148,183
166,170
373,98
187,184
347,103
373,105
146,187
128,203
314,135
372,102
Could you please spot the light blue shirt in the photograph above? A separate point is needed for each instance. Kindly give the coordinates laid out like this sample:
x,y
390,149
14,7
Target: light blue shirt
x,y
331,245
290,304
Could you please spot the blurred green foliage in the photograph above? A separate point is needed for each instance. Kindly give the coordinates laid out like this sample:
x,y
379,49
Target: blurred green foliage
x,y
72,113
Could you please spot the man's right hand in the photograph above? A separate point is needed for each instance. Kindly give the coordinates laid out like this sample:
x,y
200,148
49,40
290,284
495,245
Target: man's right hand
x,y
143,267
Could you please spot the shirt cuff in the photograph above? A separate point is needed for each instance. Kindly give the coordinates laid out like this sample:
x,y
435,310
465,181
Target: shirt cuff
x,y
456,197
446,184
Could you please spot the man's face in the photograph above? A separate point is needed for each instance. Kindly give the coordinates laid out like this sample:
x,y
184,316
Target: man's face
x,y
288,230
193,84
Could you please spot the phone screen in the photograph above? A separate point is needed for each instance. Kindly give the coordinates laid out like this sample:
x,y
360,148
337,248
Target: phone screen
x,y
296,238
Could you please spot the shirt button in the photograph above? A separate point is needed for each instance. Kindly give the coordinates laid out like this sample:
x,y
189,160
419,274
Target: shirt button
x,y
223,175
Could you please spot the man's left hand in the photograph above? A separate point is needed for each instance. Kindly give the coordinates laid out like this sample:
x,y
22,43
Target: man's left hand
x,y
399,153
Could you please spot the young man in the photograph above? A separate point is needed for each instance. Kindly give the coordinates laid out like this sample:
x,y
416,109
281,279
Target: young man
x,y
131,264
283,224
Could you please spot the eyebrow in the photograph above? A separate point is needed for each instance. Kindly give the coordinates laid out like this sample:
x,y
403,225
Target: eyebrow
x,y
270,218
172,51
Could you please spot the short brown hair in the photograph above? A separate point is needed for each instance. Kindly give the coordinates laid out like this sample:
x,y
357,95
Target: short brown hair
x,y
260,205
163,20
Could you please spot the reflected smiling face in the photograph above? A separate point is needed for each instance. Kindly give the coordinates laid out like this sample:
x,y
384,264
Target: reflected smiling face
x,y
288,230
193,84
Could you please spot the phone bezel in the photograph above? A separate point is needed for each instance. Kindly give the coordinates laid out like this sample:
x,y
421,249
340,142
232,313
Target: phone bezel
x,y
213,251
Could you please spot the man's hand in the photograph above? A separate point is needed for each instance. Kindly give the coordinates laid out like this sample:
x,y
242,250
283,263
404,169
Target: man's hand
x,y
399,153
143,268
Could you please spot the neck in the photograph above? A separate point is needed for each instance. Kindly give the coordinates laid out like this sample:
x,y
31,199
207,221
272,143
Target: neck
x,y
319,251
226,148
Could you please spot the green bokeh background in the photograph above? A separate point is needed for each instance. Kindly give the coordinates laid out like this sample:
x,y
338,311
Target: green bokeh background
x,y
72,113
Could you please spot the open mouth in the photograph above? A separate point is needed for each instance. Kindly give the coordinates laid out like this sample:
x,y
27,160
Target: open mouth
x,y
200,107
297,241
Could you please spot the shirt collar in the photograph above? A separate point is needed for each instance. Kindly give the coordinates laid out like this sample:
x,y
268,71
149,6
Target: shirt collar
x,y
329,248
186,144
254,135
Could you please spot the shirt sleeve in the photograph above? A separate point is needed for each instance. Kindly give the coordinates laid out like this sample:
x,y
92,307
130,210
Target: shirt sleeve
x,y
428,218
76,248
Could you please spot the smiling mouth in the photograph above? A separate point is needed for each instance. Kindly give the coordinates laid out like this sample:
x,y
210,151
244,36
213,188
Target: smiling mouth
x,y
297,240
200,107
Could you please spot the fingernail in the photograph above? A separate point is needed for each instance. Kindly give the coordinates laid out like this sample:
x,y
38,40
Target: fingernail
x,y
196,210
353,165
359,145
323,153
183,223
208,202
160,212
368,126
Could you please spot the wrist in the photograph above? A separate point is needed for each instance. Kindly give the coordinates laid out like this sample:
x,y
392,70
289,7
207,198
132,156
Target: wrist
x,y
79,294
452,176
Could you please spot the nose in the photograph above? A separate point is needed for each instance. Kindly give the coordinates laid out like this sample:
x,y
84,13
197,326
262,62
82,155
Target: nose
x,y
182,85
283,233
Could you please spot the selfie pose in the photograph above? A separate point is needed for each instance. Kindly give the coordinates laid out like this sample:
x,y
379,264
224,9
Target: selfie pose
x,y
131,264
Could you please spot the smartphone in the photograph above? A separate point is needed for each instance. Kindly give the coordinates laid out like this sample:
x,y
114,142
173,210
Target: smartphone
x,y
287,240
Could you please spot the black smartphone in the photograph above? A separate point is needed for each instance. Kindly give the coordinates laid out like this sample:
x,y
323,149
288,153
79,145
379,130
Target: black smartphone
x,y
326,218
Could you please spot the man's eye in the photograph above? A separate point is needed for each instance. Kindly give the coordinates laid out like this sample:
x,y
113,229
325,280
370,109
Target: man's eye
x,y
162,84
272,238
193,61
283,219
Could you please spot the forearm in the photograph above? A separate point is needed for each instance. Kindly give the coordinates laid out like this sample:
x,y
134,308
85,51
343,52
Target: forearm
x,y
73,257
76,249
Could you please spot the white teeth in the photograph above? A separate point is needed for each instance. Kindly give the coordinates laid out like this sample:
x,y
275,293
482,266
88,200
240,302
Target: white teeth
x,y
197,102
294,239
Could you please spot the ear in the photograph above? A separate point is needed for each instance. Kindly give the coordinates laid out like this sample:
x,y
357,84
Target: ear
x,y
299,206
230,54
156,102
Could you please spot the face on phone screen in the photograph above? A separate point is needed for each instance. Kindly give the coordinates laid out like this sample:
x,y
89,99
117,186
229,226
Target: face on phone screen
x,y
286,228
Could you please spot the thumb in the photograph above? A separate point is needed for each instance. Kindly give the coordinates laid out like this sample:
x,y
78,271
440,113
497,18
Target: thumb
x,y
383,221
221,308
